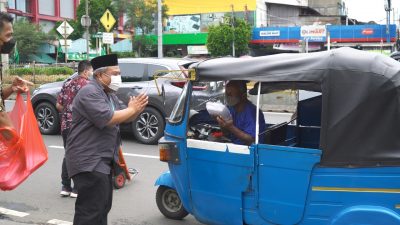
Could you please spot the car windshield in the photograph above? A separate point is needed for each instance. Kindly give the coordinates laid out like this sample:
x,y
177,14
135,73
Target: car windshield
x,y
179,108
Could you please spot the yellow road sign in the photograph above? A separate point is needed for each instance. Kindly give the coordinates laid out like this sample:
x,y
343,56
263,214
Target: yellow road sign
x,y
108,20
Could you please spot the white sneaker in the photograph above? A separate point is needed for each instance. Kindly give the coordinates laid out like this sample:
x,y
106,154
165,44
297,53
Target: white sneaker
x,y
65,192
73,194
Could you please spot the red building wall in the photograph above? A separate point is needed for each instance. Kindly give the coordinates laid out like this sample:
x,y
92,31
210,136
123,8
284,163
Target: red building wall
x,y
35,16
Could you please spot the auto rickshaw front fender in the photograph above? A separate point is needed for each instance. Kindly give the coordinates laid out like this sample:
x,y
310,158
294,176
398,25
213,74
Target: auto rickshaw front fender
x,y
165,179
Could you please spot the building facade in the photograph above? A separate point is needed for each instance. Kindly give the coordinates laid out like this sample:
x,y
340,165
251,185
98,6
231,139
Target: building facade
x,y
189,18
43,12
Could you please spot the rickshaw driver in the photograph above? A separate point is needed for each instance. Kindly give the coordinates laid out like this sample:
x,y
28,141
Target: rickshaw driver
x,y
242,128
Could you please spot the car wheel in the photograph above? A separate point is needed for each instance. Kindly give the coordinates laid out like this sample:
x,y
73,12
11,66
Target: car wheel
x,y
169,203
148,127
48,118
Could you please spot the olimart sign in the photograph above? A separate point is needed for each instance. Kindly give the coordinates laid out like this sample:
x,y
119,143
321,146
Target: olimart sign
x,y
313,33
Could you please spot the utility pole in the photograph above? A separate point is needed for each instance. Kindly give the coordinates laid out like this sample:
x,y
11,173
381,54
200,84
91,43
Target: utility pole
x,y
246,13
159,29
387,5
233,30
87,30
86,22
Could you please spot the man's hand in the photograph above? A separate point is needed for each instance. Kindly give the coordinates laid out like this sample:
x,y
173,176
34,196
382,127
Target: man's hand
x,y
227,125
138,103
20,85
224,124
135,106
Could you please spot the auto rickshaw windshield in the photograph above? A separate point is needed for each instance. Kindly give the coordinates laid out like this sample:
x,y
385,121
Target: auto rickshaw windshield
x,y
179,108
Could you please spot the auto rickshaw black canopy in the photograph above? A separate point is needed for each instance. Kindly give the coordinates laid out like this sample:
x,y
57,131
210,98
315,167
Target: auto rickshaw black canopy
x,y
360,125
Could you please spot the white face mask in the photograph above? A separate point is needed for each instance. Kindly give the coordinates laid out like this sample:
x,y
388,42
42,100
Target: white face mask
x,y
116,82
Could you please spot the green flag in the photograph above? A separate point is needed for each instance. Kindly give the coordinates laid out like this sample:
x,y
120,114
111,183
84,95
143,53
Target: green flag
x,y
103,51
16,55
59,53
59,50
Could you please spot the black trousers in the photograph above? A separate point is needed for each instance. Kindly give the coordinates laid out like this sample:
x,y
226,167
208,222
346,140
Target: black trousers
x,y
65,180
94,198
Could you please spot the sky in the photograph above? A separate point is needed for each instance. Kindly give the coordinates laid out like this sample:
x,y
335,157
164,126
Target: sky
x,y
371,10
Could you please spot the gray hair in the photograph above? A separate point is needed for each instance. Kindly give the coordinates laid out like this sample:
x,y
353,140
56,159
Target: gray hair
x,y
100,71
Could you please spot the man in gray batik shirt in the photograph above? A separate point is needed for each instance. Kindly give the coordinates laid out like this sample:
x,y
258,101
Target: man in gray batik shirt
x,y
94,140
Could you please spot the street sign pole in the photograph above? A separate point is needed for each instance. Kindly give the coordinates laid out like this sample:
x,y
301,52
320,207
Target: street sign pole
x,y
108,21
65,30
233,30
97,46
65,42
87,31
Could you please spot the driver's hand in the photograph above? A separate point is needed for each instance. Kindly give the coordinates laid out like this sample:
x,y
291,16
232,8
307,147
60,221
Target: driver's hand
x,y
224,124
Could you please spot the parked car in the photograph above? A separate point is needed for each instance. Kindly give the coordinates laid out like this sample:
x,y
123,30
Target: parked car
x,y
137,76
395,55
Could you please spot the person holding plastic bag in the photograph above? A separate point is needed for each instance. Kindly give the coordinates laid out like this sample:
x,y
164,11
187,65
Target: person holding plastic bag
x,y
22,150
94,140
7,43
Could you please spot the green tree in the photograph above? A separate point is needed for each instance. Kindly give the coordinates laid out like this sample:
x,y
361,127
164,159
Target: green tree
x,y
121,6
29,37
142,14
219,40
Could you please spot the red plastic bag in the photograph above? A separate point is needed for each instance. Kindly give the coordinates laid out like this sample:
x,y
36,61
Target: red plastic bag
x,y
22,149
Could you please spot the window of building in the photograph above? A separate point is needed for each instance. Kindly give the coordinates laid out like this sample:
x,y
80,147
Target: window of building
x,y
67,9
29,6
47,26
19,4
11,4
46,7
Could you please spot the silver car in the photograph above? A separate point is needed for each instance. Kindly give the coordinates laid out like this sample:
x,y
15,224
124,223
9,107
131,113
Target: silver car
x,y
137,76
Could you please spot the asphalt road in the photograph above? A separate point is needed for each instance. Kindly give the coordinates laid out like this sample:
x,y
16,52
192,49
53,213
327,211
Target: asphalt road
x,y
37,200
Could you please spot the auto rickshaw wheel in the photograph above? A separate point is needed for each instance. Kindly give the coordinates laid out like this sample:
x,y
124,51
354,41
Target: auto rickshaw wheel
x,y
119,180
169,203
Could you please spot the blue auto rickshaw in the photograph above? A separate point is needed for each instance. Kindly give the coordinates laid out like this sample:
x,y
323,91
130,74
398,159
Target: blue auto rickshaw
x,y
337,163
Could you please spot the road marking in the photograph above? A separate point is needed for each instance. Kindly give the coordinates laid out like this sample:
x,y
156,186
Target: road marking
x,y
142,156
125,154
12,212
59,222
54,146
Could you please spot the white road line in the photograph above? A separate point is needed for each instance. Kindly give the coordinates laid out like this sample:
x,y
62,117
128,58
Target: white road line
x,y
125,154
59,222
12,212
142,156
54,146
